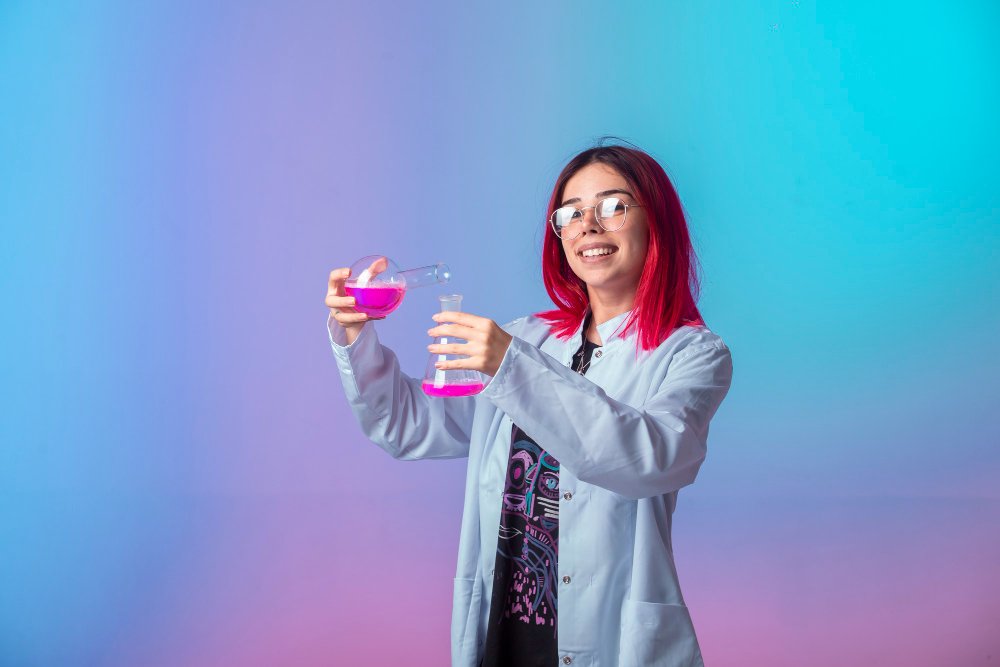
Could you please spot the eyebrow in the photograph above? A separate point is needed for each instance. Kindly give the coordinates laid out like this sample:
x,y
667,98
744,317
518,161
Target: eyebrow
x,y
603,193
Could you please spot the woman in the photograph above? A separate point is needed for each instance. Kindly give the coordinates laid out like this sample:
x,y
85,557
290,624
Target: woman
x,y
595,415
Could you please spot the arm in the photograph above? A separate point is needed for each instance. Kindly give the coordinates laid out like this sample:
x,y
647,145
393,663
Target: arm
x,y
392,409
634,452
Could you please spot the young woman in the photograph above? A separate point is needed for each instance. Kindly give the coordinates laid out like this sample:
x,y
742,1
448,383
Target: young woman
x,y
595,415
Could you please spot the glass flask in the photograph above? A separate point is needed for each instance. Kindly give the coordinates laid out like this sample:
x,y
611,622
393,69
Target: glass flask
x,y
378,284
455,382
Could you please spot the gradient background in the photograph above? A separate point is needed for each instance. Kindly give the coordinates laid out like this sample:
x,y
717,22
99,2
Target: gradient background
x,y
181,481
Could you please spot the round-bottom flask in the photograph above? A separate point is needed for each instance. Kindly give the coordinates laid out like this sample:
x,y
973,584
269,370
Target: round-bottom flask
x,y
378,285
455,382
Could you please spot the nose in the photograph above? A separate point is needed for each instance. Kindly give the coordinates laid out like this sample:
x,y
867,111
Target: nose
x,y
589,223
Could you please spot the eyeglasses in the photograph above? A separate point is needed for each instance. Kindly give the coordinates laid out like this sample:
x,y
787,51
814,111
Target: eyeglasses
x,y
610,215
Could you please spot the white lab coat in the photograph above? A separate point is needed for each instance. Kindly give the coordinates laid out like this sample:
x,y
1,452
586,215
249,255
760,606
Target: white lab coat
x,y
627,435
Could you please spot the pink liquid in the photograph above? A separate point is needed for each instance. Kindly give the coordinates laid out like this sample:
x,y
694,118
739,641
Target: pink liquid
x,y
460,389
376,301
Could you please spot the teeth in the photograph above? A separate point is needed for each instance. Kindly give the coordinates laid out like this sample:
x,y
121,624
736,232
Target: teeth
x,y
594,252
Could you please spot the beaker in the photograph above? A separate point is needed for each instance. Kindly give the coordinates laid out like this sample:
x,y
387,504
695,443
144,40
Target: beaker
x,y
378,285
454,382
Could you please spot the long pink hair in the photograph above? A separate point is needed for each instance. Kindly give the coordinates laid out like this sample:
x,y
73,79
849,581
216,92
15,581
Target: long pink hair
x,y
668,286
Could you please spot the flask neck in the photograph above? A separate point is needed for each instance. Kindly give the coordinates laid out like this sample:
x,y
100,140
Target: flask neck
x,y
426,275
451,303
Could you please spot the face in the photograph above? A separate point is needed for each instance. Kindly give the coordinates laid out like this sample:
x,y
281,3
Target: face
x,y
616,269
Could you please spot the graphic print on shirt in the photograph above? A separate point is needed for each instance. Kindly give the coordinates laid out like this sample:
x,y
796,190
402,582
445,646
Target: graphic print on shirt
x,y
529,526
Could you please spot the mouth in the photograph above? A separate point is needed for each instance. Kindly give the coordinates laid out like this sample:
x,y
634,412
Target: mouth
x,y
596,252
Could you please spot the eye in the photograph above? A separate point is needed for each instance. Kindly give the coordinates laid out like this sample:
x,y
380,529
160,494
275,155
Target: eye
x,y
611,207
566,215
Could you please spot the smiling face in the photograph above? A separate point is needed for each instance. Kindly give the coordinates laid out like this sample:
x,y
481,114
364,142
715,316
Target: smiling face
x,y
609,263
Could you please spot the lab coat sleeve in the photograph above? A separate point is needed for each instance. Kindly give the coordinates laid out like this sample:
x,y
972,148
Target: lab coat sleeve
x,y
390,406
634,452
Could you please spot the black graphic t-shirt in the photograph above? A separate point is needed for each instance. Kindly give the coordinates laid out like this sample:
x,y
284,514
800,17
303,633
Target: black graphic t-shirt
x,y
522,624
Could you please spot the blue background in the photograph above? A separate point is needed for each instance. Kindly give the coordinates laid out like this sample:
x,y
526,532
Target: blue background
x,y
181,481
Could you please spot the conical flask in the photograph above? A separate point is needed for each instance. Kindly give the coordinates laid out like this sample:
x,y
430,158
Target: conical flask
x,y
455,382
379,285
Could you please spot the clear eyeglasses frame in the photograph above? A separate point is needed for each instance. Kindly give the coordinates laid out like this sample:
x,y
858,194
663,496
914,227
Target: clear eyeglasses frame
x,y
610,214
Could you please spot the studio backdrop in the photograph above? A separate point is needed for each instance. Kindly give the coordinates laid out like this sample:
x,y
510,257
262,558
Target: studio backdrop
x,y
181,480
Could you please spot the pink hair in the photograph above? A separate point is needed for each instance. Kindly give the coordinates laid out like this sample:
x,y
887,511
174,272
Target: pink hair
x,y
668,287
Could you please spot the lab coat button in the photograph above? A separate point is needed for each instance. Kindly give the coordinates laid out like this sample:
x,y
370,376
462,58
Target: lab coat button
x,y
598,354
567,660
566,579
567,496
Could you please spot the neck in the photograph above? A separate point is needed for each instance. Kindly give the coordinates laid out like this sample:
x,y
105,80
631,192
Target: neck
x,y
605,307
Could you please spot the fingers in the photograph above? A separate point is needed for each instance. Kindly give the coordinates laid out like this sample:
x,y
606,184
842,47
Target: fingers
x,y
341,302
338,277
456,364
378,266
336,295
341,305
450,348
344,318
455,331
465,319
486,347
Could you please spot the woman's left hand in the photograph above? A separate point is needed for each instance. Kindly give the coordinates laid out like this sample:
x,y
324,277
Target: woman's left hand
x,y
486,346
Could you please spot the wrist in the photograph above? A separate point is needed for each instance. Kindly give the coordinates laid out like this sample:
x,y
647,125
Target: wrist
x,y
352,333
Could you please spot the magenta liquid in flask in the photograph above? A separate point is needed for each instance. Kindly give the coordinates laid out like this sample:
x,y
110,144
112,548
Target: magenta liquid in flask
x,y
455,382
378,285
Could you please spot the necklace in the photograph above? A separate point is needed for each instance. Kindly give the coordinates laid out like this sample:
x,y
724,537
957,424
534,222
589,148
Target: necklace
x,y
583,347
580,355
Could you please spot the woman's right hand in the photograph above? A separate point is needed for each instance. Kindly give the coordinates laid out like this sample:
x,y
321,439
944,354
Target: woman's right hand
x,y
342,306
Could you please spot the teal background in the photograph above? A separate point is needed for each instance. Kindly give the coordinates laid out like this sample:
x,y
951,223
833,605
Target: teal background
x,y
181,481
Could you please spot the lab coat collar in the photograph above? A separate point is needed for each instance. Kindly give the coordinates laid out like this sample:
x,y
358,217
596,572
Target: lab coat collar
x,y
606,330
